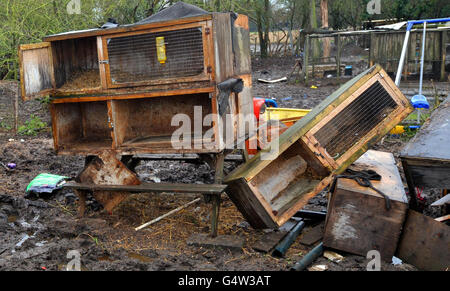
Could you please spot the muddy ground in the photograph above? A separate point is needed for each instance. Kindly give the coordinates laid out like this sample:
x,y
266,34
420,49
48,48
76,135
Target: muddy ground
x,y
36,233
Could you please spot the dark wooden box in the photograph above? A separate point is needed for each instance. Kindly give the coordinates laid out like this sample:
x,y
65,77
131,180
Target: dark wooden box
x,y
358,220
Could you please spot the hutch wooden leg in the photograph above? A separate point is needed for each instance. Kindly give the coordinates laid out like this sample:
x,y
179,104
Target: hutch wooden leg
x,y
219,163
81,202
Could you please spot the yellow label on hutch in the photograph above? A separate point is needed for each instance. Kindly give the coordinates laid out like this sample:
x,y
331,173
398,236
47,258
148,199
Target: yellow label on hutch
x,y
161,49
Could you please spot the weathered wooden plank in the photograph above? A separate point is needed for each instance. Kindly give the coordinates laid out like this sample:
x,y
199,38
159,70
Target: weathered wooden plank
x,y
151,188
124,28
223,45
312,235
36,70
269,241
425,243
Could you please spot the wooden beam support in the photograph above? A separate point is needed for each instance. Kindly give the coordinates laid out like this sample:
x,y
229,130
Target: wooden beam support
x,y
212,189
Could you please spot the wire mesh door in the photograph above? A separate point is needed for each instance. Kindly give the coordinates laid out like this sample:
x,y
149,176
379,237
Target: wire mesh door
x,y
355,121
159,57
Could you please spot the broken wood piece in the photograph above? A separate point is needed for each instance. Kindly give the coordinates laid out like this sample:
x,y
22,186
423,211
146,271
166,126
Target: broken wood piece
x,y
425,243
231,242
313,235
270,240
167,214
332,256
443,218
106,169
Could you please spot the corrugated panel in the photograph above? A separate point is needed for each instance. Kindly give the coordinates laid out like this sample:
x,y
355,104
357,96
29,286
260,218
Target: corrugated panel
x,y
134,58
356,120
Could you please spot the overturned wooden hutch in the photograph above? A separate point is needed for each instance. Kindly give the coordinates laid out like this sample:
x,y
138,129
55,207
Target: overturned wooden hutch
x,y
272,187
118,88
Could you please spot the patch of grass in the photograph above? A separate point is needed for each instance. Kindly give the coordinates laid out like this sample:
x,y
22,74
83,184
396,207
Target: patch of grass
x,y
5,126
32,126
45,100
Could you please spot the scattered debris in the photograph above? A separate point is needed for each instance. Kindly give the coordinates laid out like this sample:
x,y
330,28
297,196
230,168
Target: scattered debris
x,y
45,183
284,79
11,166
396,261
332,256
318,268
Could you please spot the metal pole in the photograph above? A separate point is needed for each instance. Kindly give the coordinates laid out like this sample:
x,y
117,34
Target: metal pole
x,y
284,245
398,76
422,58
308,258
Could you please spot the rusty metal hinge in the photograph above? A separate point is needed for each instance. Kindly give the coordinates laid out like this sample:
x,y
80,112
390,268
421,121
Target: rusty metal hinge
x,y
207,30
103,62
209,69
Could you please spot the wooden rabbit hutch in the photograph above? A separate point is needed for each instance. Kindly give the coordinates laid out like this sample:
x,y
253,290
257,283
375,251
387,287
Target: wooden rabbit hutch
x,y
118,88
114,92
316,148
